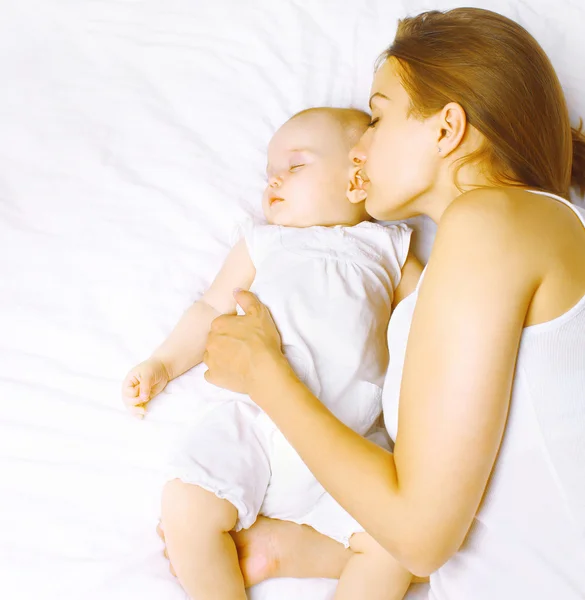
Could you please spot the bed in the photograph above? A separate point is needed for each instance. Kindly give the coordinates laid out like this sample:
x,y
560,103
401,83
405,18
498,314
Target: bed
x,y
132,143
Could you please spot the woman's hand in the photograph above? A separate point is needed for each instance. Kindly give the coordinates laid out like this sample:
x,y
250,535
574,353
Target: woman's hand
x,y
241,350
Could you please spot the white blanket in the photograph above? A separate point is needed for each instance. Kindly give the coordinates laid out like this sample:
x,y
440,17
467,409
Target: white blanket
x,y
132,140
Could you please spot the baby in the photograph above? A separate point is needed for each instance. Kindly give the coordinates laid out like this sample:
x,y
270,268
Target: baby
x,y
328,276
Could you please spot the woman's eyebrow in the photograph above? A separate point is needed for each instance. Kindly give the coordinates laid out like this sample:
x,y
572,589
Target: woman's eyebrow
x,y
375,95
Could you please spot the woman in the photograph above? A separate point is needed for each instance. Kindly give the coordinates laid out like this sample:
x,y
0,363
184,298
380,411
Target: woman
x,y
485,490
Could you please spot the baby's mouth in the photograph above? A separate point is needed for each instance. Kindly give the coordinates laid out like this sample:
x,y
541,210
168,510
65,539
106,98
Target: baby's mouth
x,y
275,200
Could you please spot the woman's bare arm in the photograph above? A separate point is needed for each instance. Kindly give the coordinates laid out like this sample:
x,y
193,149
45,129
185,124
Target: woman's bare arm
x,y
420,502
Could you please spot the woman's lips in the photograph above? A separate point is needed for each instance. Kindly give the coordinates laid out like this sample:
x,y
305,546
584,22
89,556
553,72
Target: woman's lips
x,y
361,179
358,183
358,179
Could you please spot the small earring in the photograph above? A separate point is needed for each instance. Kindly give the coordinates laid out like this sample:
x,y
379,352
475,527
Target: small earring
x,y
439,150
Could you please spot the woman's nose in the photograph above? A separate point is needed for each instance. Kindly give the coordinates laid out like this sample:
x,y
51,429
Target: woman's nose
x,y
357,155
274,181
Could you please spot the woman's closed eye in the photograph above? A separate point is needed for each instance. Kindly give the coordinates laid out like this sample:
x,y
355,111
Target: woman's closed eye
x,y
373,122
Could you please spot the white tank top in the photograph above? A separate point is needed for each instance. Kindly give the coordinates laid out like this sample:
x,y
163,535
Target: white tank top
x,y
527,541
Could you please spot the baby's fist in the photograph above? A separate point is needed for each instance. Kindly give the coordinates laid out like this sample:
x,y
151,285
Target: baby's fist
x,y
142,384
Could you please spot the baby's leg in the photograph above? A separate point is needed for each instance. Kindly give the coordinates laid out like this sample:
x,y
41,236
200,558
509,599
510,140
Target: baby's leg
x,y
196,524
218,474
372,573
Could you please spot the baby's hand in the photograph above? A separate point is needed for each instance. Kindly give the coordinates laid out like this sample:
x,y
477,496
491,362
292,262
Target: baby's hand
x,y
142,384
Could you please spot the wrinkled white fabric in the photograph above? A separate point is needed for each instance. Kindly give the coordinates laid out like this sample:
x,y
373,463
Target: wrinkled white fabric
x,y
133,140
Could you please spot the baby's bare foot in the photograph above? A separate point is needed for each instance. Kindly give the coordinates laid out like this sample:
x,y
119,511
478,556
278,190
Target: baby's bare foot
x,y
273,548
257,551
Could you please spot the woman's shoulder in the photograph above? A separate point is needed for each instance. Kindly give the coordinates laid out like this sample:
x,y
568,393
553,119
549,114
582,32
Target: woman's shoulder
x,y
495,207
492,217
529,243
493,229
514,218
508,209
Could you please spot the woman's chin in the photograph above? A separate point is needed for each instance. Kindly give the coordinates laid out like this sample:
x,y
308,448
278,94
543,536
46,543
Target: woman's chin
x,y
373,208
382,209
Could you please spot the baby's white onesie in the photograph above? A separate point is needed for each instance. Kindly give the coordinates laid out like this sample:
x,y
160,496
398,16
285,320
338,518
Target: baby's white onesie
x,y
330,291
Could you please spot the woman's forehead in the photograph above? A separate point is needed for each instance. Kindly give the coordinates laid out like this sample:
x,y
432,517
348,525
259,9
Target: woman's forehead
x,y
387,83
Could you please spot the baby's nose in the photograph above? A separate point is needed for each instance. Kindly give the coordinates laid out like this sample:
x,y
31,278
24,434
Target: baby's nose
x,y
274,181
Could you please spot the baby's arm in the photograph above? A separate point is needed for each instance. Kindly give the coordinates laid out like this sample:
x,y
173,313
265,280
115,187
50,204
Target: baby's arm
x,y
184,347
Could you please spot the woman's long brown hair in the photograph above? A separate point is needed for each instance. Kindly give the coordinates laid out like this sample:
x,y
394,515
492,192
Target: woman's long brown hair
x,y
508,88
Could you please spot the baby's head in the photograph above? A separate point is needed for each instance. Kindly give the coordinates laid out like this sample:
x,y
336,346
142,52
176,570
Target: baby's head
x,y
308,169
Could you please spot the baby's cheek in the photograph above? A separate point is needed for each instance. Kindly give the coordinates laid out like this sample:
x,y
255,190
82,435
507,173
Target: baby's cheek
x,y
266,207
312,195
296,189
334,185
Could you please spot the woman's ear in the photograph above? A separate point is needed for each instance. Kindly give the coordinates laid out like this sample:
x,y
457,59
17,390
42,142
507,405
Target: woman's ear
x,y
452,125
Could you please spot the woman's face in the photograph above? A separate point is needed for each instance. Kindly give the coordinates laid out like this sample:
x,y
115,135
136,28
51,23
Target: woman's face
x,y
398,155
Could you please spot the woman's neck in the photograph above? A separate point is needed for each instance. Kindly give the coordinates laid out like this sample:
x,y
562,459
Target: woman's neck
x,y
445,191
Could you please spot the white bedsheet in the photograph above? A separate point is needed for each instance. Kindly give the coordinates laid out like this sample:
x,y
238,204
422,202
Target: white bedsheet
x,y
132,140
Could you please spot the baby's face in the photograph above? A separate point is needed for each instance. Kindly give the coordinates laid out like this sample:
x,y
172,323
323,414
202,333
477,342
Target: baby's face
x,y
308,170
